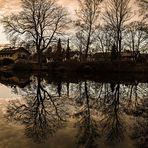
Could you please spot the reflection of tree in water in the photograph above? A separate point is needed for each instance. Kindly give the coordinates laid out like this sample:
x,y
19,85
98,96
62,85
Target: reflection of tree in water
x,y
107,100
135,104
41,114
112,123
87,125
131,98
140,112
140,133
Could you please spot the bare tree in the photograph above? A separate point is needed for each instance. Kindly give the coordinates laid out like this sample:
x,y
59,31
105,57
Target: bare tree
x,y
116,15
80,43
136,38
40,21
104,38
88,15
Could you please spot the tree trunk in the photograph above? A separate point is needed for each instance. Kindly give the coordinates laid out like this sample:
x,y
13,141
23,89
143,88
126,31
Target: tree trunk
x,y
88,42
39,59
87,47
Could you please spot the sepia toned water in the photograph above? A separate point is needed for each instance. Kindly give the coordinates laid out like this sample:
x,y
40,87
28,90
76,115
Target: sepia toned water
x,y
43,111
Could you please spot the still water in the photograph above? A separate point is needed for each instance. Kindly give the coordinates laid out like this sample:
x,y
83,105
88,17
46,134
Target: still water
x,y
43,111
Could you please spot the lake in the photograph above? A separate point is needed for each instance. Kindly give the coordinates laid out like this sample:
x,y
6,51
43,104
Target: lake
x,y
44,110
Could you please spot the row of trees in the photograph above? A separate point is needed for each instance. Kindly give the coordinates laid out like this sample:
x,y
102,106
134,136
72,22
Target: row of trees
x,y
41,22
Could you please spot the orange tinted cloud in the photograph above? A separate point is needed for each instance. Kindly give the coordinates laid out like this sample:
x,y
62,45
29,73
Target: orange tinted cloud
x,y
71,5
7,6
10,5
13,6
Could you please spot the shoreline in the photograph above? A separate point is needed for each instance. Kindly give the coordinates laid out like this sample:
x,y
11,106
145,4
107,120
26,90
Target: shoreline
x,y
80,67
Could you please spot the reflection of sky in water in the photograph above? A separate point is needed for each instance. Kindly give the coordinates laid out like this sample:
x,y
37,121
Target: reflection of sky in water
x,y
6,95
6,92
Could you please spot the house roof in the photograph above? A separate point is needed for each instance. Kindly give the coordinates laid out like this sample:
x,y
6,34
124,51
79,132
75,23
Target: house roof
x,y
11,51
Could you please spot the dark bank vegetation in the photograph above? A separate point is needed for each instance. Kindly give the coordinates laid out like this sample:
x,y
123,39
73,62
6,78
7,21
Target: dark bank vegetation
x,y
22,67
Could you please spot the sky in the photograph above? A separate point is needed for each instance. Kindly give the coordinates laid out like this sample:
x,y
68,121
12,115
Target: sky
x,y
13,6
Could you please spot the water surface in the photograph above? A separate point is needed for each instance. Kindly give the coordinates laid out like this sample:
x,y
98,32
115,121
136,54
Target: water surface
x,y
40,110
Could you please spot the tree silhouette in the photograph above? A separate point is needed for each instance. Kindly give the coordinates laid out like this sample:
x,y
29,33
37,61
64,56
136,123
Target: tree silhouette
x,y
59,52
87,22
136,37
38,23
112,123
88,130
68,51
105,38
41,114
140,134
116,15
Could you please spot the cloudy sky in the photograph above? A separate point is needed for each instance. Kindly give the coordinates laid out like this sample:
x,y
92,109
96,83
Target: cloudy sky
x,y
12,6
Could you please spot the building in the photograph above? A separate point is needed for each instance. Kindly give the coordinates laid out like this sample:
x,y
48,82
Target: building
x,y
14,53
101,57
125,56
130,55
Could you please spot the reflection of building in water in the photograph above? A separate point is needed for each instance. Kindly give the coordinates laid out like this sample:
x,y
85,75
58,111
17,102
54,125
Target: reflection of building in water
x,y
10,79
14,53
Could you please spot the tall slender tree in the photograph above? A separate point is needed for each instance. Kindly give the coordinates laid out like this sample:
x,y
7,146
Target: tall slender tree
x,y
68,51
116,15
88,19
59,53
